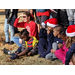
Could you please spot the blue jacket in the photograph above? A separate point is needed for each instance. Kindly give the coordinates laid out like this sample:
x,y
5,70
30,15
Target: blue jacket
x,y
70,53
41,10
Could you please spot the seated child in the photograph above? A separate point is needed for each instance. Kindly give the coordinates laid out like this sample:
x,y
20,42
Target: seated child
x,y
31,46
70,43
57,43
61,53
47,38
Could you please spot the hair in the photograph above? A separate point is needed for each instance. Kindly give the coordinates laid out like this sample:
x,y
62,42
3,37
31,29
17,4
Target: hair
x,y
58,28
63,31
24,32
27,13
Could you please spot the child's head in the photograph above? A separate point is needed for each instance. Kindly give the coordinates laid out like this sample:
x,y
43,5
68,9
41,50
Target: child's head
x,y
27,16
63,34
70,32
25,34
56,31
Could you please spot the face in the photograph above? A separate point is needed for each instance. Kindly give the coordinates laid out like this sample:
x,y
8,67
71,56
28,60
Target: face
x,y
25,18
49,28
55,33
63,37
25,38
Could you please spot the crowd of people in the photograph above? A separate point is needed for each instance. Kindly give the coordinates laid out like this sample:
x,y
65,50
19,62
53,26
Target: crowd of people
x,y
48,32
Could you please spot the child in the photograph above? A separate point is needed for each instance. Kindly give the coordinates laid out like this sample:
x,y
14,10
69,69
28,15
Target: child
x,y
57,43
30,46
46,41
61,53
70,43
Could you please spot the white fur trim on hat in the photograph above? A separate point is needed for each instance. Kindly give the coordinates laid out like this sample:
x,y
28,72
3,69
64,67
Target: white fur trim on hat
x,y
51,25
70,34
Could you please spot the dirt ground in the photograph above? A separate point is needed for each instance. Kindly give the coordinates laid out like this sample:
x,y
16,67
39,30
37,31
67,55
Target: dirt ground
x,y
24,60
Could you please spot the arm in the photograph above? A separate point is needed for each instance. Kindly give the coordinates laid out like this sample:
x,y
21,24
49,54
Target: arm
x,y
69,54
16,24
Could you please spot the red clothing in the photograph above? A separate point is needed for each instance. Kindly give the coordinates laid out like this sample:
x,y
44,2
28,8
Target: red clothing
x,y
31,27
47,13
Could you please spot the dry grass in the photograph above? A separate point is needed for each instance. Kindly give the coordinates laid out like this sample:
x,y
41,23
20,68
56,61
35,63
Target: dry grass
x,y
24,60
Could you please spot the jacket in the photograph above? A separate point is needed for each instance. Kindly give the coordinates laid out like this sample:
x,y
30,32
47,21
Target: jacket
x,y
10,13
70,53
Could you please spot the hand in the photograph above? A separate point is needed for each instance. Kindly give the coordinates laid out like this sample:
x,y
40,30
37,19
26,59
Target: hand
x,y
70,63
48,32
53,51
60,45
20,41
29,53
21,15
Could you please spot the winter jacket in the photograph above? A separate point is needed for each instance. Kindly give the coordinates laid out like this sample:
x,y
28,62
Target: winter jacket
x,y
10,13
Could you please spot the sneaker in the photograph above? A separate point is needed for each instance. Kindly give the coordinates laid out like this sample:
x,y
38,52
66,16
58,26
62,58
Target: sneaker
x,y
53,59
40,56
11,43
6,51
6,43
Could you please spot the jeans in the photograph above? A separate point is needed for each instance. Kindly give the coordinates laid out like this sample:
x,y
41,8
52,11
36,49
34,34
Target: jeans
x,y
11,28
16,40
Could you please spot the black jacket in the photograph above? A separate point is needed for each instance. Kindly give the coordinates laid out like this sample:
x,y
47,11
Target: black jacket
x,y
9,13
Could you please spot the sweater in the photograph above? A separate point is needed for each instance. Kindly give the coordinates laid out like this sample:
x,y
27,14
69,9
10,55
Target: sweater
x,y
70,53
31,27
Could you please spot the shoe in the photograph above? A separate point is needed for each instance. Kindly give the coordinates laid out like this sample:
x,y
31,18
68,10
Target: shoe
x,y
53,59
6,43
14,56
40,56
6,51
11,43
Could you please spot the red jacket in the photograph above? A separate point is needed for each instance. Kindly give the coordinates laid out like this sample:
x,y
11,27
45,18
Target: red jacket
x,y
31,27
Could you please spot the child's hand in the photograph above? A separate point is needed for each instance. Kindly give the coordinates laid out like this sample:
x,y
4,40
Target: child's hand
x,y
20,41
60,45
20,15
53,51
48,32
70,63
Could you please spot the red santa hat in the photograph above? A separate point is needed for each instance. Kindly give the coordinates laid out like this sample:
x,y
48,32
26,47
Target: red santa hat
x,y
70,32
50,22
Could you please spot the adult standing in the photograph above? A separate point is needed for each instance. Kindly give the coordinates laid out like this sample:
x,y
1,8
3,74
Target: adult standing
x,y
71,16
9,21
41,16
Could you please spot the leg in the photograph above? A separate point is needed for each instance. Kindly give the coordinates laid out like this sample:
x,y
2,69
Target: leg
x,y
16,40
6,27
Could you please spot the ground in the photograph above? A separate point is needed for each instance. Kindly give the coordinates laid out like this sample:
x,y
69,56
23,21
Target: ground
x,y
24,60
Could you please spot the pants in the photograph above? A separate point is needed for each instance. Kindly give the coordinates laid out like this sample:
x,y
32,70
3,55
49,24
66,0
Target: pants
x,y
42,45
40,19
19,49
16,40
51,55
11,28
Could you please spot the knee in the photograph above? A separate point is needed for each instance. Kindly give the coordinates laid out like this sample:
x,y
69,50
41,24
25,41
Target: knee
x,y
47,57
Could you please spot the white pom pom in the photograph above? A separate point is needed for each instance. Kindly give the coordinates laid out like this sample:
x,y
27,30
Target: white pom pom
x,y
43,24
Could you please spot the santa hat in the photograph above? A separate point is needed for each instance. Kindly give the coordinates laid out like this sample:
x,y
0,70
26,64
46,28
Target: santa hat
x,y
70,32
50,22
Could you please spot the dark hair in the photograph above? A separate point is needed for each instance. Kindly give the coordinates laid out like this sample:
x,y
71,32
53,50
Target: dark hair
x,y
27,13
63,31
24,32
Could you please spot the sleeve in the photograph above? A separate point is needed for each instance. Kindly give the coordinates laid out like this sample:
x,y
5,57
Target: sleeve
x,y
43,33
16,24
34,31
10,15
69,54
35,50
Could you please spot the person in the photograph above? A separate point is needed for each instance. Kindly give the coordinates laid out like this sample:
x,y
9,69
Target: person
x,y
9,21
61,16
46,40
61,52
71,16
41,16
30,46
57,43
70,43
28,24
